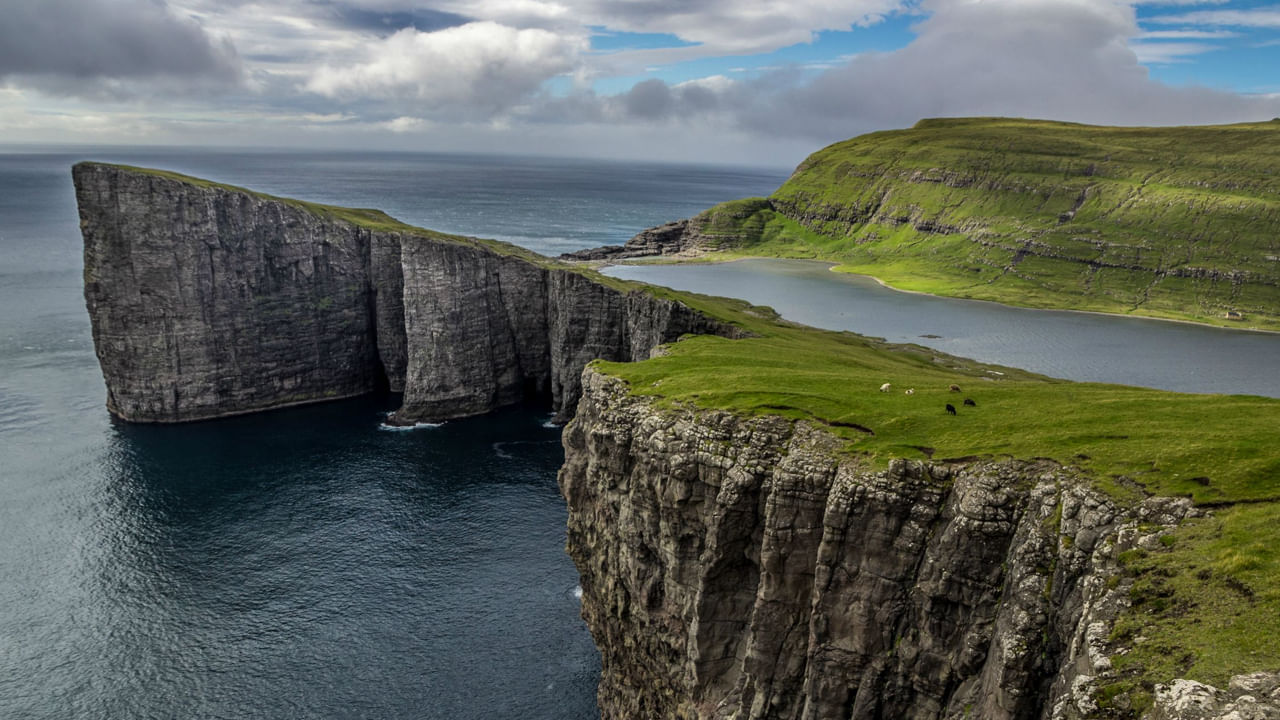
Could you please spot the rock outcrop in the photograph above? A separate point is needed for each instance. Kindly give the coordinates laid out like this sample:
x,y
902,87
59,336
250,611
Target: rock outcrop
x,y
1255,696
743,567
208,301
488,330
673,238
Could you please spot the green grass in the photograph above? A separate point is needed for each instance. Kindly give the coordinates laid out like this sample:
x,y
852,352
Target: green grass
x,y
1129,442
1146,221
1208,606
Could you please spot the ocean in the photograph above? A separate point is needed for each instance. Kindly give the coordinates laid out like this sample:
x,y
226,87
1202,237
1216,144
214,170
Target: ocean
x,y
299,563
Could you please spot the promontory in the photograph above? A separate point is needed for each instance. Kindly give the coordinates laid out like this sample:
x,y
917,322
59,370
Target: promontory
x,y
761,531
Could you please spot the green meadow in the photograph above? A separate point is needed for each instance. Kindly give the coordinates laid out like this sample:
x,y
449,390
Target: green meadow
x,y
1180,223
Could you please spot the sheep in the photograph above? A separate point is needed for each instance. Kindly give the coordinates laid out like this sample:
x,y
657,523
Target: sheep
x,y
955,388
884,387
970,402
951,408
910,391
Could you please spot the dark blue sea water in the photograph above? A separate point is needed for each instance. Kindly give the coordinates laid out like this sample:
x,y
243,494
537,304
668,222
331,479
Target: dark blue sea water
x,y
300,563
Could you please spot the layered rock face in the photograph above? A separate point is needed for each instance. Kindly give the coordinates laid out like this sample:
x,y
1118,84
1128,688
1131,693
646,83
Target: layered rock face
x,y
738,567
488,330
208,301
672,238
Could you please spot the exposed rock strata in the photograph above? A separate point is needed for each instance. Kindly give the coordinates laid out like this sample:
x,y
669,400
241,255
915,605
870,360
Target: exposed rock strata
x,y
488,330
1255,696
737,567
672,238
208,301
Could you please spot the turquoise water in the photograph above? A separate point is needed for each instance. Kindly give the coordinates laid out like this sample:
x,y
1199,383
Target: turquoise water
x,y
299,563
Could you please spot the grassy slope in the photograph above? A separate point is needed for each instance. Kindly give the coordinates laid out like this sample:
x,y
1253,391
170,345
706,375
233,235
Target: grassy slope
x,y
1209,606
1206,608
1150,221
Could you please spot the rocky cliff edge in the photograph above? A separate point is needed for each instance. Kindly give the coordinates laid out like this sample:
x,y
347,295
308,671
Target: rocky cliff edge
x,y
208,300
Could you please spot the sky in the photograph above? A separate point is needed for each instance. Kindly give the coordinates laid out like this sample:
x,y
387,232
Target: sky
x,y
757,82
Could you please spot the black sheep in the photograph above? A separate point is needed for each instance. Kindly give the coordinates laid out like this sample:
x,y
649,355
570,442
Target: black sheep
x,y
951,408
970,402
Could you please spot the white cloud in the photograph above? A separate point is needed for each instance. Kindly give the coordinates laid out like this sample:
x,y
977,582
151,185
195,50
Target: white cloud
x,y
1157,53
714,83
1178,2
405,124
1186,35
1256,18
720,26
1056,59
481,65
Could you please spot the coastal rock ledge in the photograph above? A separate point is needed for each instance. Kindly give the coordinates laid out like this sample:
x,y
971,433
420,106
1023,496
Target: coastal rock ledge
x,y
208,300
745,567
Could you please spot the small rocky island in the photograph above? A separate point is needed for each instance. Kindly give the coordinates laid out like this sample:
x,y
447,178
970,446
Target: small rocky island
x,y
760,532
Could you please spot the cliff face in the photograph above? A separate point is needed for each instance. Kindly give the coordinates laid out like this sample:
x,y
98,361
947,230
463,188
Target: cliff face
x,y
207,301
742,567
488,330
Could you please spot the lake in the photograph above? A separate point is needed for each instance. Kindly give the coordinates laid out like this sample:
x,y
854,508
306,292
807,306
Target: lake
x,y
1077,346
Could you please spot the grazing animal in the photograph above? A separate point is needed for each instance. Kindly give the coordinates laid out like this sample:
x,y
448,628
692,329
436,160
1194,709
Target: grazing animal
x,y
884,387
955,388
910,391
970,402
951,408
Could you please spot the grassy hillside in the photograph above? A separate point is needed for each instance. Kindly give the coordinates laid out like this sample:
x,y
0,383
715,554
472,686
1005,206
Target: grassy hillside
x,y
1207,606
1177,223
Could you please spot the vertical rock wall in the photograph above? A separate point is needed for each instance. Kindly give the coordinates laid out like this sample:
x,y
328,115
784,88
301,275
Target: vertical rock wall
x,y
206,302
488,330
209,301
742,567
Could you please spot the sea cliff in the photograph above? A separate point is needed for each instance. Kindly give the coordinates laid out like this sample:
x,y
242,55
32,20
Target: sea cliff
x,y
208,300
741,567
770,521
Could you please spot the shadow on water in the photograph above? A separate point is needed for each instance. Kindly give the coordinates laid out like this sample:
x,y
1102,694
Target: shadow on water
x,y
294,562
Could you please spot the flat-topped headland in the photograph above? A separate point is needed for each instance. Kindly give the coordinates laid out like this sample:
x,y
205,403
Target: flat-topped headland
x,y
770,521
208,300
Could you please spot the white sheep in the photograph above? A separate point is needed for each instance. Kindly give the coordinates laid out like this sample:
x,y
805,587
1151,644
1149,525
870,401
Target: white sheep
x,y
910,391
884,387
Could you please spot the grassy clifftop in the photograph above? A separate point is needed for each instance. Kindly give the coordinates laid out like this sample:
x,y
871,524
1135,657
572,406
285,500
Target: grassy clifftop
x,y
1179,223
1206,605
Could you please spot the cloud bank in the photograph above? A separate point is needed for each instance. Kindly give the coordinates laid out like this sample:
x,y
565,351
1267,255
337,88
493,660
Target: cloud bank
x,y
87,40
448,76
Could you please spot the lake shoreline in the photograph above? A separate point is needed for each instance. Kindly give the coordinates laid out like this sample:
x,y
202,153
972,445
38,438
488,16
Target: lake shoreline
x,y
833,266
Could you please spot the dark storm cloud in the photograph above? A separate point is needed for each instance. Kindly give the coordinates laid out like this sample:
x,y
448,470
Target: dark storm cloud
x,y
648,100
388,22
65,41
